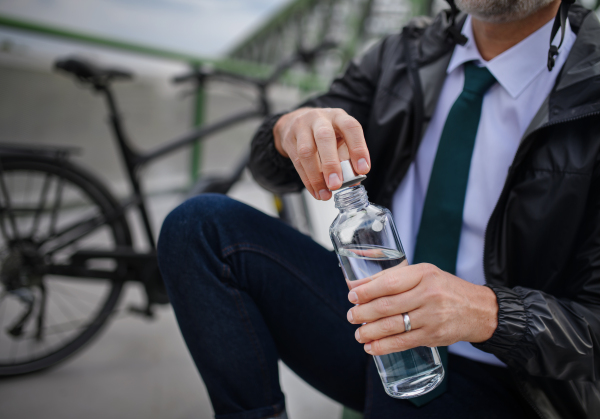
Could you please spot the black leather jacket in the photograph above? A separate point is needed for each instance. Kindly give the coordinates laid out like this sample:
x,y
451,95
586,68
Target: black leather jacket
x,y
542,243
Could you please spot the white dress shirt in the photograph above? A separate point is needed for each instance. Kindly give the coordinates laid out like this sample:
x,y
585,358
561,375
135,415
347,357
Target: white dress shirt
x,y
508,108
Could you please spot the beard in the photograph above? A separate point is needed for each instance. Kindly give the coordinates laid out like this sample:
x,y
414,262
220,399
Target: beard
x,y
501,11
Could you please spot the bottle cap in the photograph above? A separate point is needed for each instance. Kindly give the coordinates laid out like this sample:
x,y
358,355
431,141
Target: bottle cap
x,y
349,178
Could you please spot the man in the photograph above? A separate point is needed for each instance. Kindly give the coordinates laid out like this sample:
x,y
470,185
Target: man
x,y
487,149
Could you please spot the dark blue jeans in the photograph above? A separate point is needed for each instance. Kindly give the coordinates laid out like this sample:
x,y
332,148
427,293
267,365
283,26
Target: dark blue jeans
x,y
249,290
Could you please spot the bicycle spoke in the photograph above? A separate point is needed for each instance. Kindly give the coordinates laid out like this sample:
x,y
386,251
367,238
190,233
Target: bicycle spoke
x,y
57,203
3,227
2,309
27,187
67,316
52,322
57,329
7,204
42,205
72,297
88,294
65,327
70,301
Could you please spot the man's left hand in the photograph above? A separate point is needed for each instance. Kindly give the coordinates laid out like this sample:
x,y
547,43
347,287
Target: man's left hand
x,y
443,309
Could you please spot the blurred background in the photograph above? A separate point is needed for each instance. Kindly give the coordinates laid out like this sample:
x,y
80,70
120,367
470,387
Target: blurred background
x,y
140,367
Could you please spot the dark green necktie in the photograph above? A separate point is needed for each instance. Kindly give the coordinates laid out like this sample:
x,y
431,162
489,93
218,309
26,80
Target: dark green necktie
x,y
441,222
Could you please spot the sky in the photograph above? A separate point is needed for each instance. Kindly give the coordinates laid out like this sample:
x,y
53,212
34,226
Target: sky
x,y
207,28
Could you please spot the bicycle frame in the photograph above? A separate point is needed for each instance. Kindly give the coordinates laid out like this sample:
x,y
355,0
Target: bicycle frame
x,y
134,159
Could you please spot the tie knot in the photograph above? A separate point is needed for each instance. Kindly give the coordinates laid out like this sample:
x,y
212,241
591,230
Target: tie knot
x,y
478,79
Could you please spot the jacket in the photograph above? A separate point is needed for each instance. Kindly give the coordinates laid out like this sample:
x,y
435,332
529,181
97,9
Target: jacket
x,y
542,242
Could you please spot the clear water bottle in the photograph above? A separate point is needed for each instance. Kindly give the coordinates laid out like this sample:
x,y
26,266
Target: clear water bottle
x,y
366,242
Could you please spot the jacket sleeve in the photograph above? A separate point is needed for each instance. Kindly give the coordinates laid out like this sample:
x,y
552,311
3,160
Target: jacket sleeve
x,y
352,92
552,337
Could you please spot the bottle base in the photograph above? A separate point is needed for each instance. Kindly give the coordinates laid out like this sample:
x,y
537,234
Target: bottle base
x,y
417,385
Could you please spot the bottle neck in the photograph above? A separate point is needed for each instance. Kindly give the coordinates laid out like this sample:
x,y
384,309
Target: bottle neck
x,y
353,198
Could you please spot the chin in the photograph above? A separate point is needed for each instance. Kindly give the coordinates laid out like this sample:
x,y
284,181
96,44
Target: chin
x,y
501,11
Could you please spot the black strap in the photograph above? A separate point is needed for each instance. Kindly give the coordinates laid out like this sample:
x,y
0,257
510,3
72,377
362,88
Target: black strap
x,y
452,31
559,23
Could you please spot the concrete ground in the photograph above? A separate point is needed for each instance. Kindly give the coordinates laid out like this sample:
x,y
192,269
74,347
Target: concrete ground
x,y
136,368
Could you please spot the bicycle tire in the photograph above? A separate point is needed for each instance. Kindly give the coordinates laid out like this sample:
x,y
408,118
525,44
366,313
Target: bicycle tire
x,y
99,195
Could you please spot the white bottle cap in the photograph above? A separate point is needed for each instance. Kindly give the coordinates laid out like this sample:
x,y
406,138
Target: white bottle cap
x,y
349,178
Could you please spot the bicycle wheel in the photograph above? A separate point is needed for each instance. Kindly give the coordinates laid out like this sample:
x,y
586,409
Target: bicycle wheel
x,y
49,210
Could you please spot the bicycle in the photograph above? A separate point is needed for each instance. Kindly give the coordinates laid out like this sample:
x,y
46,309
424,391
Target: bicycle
x,y
66,247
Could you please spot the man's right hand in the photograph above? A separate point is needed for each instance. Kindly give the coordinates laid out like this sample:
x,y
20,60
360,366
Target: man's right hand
x,y
316,140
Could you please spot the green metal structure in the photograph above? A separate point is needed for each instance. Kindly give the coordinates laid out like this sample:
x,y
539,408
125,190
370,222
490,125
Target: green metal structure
x,y
352,24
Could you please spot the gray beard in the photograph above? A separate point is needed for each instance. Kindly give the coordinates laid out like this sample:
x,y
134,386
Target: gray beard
x,y
501,11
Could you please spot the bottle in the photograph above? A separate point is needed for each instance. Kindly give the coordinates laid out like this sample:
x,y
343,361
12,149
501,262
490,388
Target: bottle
x,y
366,241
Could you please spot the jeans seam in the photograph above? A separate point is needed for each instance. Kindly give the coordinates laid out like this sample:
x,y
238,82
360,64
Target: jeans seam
x,y
239,302
244,246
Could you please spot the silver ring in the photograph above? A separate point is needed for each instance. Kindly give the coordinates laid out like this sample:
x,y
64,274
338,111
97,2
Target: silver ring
x,y
407,326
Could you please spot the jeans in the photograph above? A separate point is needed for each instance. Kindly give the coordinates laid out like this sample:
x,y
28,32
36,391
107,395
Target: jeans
x,y
249,290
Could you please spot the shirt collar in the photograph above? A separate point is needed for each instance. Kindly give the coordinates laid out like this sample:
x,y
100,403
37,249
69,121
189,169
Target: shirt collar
x,y
516,67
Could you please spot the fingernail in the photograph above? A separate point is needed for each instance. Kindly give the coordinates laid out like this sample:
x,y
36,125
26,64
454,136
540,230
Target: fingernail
x,y
362,165
334,181
353,297
357,335
350,318
324,194
316,195
368,347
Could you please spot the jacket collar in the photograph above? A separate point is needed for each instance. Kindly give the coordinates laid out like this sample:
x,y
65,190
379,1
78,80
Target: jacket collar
x,y
584,61
577,91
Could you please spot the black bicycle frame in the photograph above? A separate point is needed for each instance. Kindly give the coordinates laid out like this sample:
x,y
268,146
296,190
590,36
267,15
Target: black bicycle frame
x,y
134,159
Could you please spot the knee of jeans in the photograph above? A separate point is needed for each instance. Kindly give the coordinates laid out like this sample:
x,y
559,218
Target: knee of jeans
x,y
194,216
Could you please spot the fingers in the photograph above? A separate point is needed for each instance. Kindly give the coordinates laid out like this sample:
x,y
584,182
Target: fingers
x,y
298,166
389,326
354,137
384,307
392,281
309,160
326,143
397,343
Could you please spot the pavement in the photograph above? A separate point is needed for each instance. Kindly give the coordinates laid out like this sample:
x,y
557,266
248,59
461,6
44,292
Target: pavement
x,y
136,368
